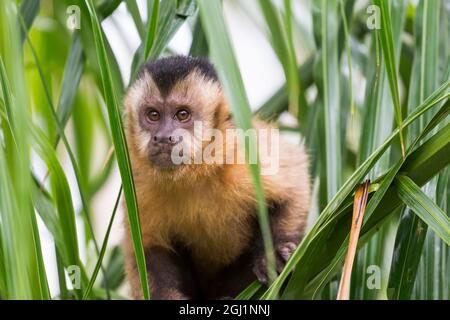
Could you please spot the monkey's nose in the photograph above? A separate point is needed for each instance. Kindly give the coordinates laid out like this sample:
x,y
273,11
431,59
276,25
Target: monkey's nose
x,y
164,139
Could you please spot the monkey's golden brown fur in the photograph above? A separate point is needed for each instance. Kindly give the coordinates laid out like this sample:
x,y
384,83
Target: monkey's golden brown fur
x,y
208,210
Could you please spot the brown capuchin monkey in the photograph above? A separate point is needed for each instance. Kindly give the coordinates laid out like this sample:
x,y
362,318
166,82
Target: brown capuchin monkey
x,y
199,219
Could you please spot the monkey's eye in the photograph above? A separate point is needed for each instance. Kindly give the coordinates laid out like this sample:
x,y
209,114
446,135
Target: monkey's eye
x,y
183,115
152,115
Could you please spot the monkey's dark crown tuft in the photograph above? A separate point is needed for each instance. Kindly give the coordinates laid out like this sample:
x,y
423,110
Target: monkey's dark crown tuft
x,y
166,72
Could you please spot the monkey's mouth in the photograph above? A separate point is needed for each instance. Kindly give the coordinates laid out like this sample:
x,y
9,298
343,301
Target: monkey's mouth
x,y
162,159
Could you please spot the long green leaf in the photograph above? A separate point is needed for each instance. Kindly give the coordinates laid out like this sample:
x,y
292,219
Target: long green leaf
x,y
171,15
73,71
329,212
424,207
103,250
134,11
375,201
78,176
278,103
281,36
331,96
377,125
223,56
120,146
199,46
29,9
424,80
86,32
387,45
382,202
151,31
63,225
27,277
405,259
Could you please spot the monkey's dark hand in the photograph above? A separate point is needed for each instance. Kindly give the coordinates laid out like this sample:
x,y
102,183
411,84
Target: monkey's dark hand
x,y
283,252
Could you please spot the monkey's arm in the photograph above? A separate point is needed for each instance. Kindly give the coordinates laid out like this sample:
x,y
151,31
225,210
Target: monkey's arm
x,y
165,274
287,223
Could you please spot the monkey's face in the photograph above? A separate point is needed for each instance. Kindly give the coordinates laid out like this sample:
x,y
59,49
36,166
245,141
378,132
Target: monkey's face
x,y
161,121
170,111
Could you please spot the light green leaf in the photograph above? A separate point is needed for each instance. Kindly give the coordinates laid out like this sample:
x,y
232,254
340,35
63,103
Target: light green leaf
x,y
225,61
121,149
424,207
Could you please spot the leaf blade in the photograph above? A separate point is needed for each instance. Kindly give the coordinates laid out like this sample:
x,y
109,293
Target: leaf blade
x,y
121,149
424,207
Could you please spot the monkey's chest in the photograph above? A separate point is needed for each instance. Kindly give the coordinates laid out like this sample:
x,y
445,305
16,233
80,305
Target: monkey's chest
x,y
215,234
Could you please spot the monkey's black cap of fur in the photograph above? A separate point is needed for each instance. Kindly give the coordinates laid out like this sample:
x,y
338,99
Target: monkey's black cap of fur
x,y
166,72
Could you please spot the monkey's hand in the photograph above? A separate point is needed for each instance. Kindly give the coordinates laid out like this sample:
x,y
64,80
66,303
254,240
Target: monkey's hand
x,y
283,252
